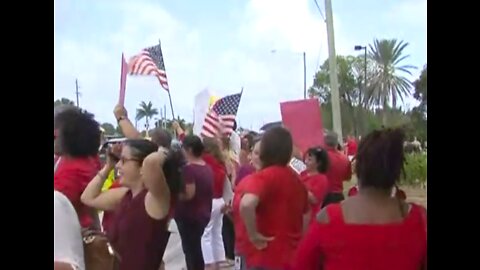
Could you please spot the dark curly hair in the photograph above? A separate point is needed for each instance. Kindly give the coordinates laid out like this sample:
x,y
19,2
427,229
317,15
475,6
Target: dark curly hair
x,y
78,134
380,158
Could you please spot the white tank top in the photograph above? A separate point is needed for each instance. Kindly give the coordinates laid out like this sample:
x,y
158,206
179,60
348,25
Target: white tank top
x,y
67,243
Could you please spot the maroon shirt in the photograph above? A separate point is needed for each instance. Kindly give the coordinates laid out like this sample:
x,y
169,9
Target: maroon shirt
x,y
139,240
198,208
244,171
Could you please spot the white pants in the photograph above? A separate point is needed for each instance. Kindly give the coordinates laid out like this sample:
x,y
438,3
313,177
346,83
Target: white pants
x,y
212,240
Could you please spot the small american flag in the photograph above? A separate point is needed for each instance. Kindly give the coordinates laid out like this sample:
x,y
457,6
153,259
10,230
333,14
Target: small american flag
x,y
222,116
149,62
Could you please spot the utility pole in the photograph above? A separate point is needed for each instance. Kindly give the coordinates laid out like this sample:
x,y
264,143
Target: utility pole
x,y
336,114
304,77
76,92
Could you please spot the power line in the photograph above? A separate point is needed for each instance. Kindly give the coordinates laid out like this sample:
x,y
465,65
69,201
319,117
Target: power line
x,y
319,10
319,56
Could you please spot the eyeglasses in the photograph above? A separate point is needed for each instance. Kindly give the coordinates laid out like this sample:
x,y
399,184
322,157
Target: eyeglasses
x,y
124,160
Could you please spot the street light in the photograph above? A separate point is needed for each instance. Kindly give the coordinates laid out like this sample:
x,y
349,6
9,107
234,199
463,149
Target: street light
x,y
358,48
304,74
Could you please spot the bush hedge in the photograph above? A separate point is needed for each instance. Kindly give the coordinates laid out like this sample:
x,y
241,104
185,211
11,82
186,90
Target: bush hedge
x,y
415,169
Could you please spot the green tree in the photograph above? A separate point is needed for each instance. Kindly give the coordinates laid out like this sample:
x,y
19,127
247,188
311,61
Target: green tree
x,y
146,111
109,128
420,93
418,115
118,131
188,127
351,89
388,83
63,101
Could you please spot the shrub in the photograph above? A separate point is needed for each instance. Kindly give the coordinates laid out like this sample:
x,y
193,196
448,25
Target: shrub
x,y
415,169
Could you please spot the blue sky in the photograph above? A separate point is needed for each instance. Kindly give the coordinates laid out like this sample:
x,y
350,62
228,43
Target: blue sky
x,y
220,45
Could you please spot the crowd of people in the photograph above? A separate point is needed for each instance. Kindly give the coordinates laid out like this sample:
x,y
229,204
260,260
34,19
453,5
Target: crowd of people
x,y
235,199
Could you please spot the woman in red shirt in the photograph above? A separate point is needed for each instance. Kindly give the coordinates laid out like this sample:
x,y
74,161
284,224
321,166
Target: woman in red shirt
x,y
150,180
76,142
243,173
314,178
212,241
272,206
253,164
372,230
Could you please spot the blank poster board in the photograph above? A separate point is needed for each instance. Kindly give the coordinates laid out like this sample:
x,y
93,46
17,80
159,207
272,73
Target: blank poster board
x,y
304,120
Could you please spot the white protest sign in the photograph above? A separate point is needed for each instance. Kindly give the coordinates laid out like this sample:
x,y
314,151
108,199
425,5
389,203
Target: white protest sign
x,y
297,165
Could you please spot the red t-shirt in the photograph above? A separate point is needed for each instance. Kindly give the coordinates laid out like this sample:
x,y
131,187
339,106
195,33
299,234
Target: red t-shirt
x,y
241,236
340,170
219,174
341,246
353,191
71,178
317,184
283,202
352,147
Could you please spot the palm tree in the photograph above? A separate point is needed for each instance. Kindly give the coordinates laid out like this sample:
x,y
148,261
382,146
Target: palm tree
x,y
146,111
387,82
63,101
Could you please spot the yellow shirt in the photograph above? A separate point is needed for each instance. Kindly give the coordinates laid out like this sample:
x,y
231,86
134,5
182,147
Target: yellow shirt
x,y
109,182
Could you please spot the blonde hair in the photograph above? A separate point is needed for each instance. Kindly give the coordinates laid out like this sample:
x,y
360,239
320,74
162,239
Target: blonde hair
x,y
213,148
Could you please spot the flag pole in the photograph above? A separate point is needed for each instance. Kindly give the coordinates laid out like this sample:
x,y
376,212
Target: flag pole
x,y
169,96
171,106
173,115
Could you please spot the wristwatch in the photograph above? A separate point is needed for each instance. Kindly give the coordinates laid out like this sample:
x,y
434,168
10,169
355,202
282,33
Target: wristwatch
x,y
121,118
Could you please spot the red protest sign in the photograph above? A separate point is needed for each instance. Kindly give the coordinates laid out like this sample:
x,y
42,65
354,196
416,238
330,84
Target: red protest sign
x,y
304,121
123,81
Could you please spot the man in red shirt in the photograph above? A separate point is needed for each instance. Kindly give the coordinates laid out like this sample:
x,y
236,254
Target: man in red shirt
x,y
76,141
273,206
351,147
340,170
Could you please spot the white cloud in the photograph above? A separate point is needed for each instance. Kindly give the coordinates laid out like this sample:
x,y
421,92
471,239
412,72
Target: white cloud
x,y
409,13
288,26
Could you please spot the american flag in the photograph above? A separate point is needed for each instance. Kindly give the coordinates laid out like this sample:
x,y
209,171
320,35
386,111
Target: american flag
x,y
149,62
222,116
